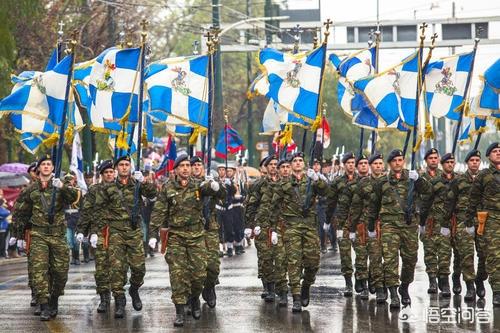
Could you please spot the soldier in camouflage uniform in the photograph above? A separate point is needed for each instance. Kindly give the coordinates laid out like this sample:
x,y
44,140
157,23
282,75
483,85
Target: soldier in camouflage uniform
x,y
397,223
297,208
455,206
338,205
116,205
49,250
91,226
485,199
180,206
431,158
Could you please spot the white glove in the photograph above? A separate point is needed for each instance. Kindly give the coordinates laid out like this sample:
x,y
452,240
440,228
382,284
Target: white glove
x,y
313,175
372,234
322,177
340,234
227,181
247,232
326,227
413,174
152,243
352,236
214,186
138,176
256,231
421,229
57,183
274,237
79,237
238,196
209,178
12,241
445,232
20,244
470,230
93,240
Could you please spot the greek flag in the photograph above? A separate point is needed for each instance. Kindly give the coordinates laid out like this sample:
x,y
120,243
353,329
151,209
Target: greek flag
x,y
476,110
367,119
293,80
392,93
81,79
472,127
77,162
490,98
114,88
178,88
444,85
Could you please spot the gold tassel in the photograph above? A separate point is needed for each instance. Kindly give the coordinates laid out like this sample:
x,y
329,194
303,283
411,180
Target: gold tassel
x,y
250,95
69,134
197,131
429,133
51,140
466,108
417,146
285,138
144,138
121,141
316,124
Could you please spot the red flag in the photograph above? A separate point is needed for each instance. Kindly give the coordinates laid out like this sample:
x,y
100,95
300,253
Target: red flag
x,y
325,127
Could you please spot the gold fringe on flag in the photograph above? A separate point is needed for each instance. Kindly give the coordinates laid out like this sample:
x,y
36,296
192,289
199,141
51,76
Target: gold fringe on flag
x,y
197,131
285,138
429,133
121,141
317,124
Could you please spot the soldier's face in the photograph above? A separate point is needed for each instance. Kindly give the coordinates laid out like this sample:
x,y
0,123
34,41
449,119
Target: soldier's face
x,y
432,161
377,167
474,163
448,166
46,168
197,169
230,173
108,176
297,164
123,168
272,167
285,170
183,170
349,165
316,167
397,163
363,167
221,172
495,156
326,169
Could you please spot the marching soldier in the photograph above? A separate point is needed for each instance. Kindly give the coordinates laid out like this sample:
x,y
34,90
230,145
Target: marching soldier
x,y
296,198
116,205
180,206
484,202
235,224
221,211
49,251
397,226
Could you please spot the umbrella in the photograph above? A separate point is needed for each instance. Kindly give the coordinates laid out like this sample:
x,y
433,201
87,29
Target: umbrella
x,y
252,172
14,168
8,179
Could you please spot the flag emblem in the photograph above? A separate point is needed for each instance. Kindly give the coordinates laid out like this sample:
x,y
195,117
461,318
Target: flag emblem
x,y
446,86
179,83
107,83
291,76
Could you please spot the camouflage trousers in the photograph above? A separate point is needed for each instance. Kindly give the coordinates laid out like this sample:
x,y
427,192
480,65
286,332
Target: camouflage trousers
x,y
213,260
302,251
463,253
260,246
345,250
125,250
30,271
492,238
398,240
437,250
273,258
49,257
187,265
101,274
368,252
480,243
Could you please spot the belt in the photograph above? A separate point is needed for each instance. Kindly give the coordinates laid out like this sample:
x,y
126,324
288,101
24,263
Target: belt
x,y
192,227
220,207
50,229
235,205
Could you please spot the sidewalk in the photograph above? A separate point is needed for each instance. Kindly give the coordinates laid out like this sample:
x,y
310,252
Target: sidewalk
x,y
4,261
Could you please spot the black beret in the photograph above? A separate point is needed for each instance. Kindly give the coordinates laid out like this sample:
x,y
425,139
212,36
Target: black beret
x,y
195,159
88,174
298,154
472,153
361,157
43,159
491,147
269,159
316,160
430,152
32,167
181,158
446,157
375,157
393,154
262,161
326,163
123,158
108,164
347,156
283,161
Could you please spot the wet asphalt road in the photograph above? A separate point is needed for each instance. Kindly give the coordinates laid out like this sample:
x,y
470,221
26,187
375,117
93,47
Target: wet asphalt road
x,y
239,307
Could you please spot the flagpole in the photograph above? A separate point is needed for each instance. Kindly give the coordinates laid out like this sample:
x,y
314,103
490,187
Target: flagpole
x,y
189,145
226,121
323,118
377,53
211,44
361,139
57,172
144,23
477,140
466,91
59,50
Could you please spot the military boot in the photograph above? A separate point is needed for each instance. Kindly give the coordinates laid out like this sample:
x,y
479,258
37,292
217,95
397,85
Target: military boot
x,y
444,286
283,302
394,298
264,290
120,302
364,294
54,306
44,312
433,288
304,294
496,298
405,296
348,286
297,303
37,311
230,252
85,249
270,292
457,286
196,308
103,305
470,295
480,291
179,315
371,287
381,296
133,291
33,301
358,285
211,297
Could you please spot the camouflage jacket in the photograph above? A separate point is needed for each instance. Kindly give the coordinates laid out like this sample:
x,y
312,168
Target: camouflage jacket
x,y
267,214
181,208
252,202
389,199
361,200
440,188
35,204
114,203
485,195
457,198
290,196
337,191
88,223
19,222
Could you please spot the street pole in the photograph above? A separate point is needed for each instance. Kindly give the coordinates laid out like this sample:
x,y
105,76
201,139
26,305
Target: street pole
x,y
250,144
